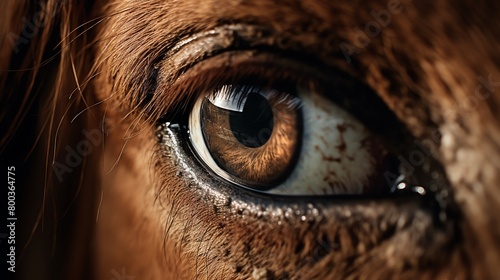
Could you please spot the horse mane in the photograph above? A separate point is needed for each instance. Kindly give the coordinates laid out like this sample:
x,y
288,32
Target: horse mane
x,y
44,73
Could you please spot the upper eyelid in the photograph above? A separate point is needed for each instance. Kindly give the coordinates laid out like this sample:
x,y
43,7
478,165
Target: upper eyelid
x,y
203,45
168,65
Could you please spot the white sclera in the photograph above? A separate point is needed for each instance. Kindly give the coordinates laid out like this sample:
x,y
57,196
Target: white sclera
x,y
347,171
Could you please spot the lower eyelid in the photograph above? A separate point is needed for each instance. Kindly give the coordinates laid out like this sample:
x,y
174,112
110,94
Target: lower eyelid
x,y
177,150
401,230
369,222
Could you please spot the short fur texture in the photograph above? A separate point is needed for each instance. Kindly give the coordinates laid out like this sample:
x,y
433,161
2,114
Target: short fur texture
x,y
129,206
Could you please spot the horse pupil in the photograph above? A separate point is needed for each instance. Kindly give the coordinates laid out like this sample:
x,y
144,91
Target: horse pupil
x,y
254,125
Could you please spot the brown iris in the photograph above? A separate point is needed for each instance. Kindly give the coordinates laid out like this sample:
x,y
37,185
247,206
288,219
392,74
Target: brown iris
x,y
257,139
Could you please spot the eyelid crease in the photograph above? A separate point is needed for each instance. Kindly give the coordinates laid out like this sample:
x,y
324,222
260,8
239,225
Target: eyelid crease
x,y
208,43
205,45
241,36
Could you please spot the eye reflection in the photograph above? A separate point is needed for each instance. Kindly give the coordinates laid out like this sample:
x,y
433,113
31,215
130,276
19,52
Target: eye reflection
x,y
287,143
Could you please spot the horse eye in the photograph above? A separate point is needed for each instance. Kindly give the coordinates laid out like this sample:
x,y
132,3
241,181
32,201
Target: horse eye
x,y
286,142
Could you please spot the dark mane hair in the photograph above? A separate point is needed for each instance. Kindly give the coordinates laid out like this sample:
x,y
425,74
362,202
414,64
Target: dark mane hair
x,y
45,66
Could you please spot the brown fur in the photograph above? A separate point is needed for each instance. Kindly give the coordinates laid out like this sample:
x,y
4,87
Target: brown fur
x,y
135,207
